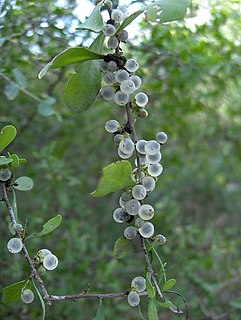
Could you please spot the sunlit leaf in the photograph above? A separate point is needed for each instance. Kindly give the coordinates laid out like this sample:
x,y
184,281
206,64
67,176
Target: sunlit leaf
x,y
48,227
167,10
7,134
70,56
95,21
129,20
115,176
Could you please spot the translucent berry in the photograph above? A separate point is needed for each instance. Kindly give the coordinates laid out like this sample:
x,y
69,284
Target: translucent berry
x,y
126,196
109,78
142,113
148,183
124,10
108,3
131,65
161,137
122,35
120,215
50,262
112,66
107,93
155,169
130,232
139,192
139,284
146,212
147,230
27,296
112,126
43,253
109,30
142,160
118,137
121,75
160,239
15,245
127,86
121,98
41,270
137,81
133,299
141,99
124,155
132,207
103,66
139,222
117,15
127,146
152,147
112,43
17,227
140,146
5,174
154,158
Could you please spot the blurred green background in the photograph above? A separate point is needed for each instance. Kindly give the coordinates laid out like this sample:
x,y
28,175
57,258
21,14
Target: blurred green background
x,y
191,72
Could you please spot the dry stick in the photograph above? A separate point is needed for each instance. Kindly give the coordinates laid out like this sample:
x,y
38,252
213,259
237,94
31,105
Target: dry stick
x,y
34,272
143,245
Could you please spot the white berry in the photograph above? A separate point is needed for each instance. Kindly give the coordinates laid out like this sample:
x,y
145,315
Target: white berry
x,y
15,245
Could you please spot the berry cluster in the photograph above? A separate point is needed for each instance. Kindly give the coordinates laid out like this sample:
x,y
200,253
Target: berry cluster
x,y
138,284
46,261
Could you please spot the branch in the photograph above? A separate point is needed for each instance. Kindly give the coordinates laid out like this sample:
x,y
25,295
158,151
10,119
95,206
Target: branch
x,y
150,269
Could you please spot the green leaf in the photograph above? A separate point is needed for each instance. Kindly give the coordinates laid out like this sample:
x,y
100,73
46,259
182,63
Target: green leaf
x,y
100,315
167,10
48,227
20,78
166,304
152,310
151,291
115,176
23,184
95,21
4,160
82,88
15,161
169,284
11,91
12,293
14,205
41,300
121,247
7,135
70,56
129,20
45,109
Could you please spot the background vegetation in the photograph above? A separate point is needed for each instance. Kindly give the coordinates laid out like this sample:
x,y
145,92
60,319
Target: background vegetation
x,y
192,74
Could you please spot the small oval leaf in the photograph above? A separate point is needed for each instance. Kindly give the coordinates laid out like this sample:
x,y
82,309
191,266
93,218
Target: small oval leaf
x,y
121,247
168,284
4,160
48,227
23,184
166,304
7,134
